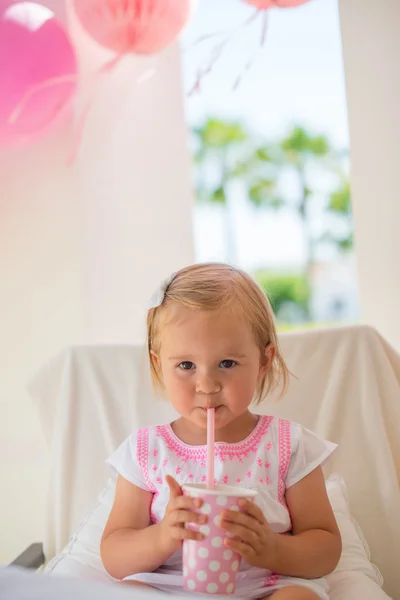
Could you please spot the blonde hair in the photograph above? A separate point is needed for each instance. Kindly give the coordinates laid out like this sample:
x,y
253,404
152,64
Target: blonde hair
x,y
215,286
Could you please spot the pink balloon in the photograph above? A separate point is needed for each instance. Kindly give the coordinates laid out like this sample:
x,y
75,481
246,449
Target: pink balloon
x,y
265,4
38,71
138,26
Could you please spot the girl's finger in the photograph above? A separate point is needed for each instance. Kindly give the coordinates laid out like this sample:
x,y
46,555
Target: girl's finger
x,y
243,533
180,533
175,489
185,502
181,516
245,550
230,516
253,510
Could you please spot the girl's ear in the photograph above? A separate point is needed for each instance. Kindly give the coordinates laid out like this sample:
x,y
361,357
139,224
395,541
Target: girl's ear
x,y
267,359
156,359
155,356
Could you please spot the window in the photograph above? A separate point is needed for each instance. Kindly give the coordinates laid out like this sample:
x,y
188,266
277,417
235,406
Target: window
x,y
271,158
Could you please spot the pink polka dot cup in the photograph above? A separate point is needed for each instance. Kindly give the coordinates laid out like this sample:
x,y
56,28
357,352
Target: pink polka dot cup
x,y
209,567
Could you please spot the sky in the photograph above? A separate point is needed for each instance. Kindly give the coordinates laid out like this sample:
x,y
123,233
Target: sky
x,y
297,77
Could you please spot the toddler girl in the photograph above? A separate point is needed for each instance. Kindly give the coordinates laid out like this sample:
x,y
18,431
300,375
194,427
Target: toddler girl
x,y
212,343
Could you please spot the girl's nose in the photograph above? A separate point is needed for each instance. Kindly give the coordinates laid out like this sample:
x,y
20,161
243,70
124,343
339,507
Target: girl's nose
x,y
207,385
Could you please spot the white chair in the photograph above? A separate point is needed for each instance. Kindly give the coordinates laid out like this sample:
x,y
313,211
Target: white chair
x,y
345,386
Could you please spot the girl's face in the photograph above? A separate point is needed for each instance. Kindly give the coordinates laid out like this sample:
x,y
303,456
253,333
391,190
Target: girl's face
x,y
210,359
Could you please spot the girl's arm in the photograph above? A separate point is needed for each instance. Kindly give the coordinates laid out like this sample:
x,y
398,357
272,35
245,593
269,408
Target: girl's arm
x,y
315,547
131,545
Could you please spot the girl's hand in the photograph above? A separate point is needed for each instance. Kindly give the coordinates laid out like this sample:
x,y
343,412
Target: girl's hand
x,y
252,537
179,512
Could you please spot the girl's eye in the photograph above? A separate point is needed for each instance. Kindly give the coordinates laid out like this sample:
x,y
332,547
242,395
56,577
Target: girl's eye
x,y
186,365
227,364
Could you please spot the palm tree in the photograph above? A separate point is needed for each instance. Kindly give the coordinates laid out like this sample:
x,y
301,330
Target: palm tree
x,y
226,153
301,152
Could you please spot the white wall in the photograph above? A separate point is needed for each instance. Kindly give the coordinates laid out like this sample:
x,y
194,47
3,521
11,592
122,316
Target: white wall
x,y
81,249
371,46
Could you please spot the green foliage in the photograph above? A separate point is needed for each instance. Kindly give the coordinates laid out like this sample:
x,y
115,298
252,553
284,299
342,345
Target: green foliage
x,y
345,243
218,196
217,134
262,193
340,200
264,154
285,289
300,144
228,148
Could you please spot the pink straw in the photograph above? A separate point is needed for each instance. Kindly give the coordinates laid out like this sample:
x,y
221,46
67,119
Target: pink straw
x,y
210,447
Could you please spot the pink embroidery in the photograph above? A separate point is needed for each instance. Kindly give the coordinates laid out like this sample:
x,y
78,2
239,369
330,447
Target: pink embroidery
x,y
271,580
223,451
178,470
155,452
191,476
238,480
268,446
284,458
142,451
249,473
259,462
267,465
154,467
267,480
153,517
203,478
261,480
165,462
159,480
225,480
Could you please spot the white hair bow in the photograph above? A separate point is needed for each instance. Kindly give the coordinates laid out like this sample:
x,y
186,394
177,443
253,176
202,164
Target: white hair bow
x,y
158,297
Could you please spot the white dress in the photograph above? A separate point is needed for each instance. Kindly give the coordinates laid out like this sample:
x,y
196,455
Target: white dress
x,y
275,456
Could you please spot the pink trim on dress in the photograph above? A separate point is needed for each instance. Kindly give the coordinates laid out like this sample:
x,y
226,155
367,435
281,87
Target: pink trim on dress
x,y
142,450
284,458
143,457
271,580
153,517
223,451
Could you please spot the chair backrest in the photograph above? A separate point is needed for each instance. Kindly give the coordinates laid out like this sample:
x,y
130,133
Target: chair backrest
x,y
345,386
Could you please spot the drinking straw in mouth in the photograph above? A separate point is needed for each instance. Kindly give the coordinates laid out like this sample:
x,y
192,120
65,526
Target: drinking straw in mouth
x,y
210,447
